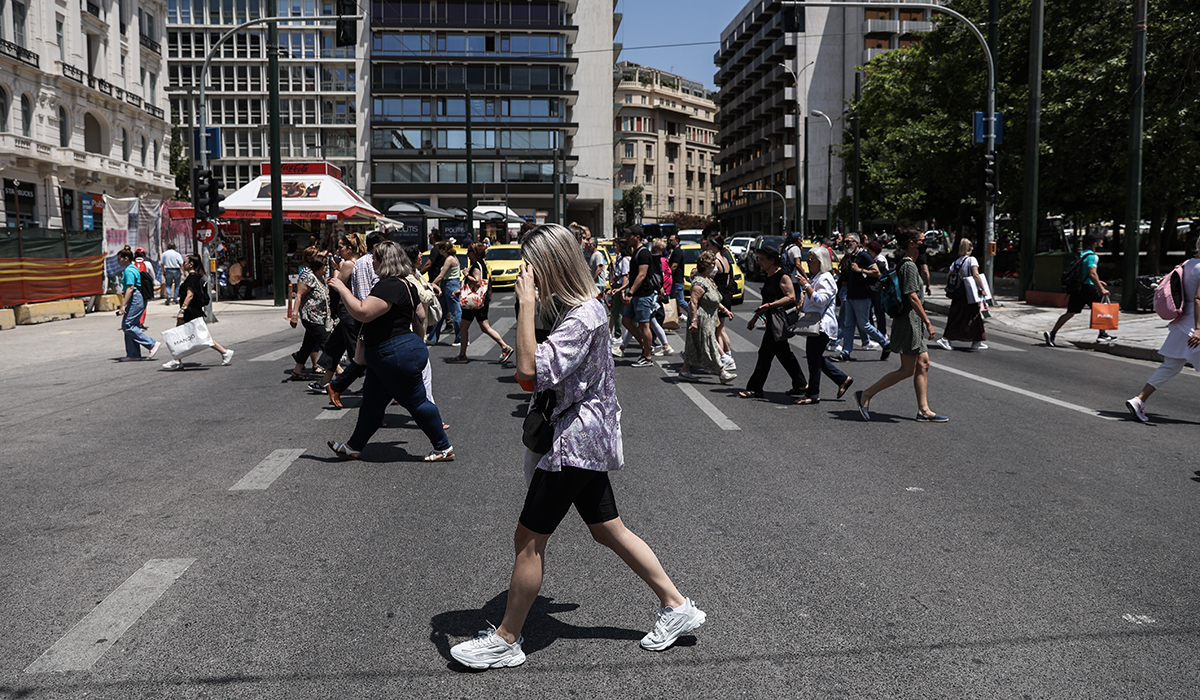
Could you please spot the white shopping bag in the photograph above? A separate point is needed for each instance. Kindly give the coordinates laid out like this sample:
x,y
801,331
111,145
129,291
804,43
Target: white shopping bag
x,y
973,295
188,339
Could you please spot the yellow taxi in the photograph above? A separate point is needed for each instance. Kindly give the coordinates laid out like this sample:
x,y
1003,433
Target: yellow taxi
x,y
691,252
503,262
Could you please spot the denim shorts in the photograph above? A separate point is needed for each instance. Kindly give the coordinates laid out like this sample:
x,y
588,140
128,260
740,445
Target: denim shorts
x,y
640,309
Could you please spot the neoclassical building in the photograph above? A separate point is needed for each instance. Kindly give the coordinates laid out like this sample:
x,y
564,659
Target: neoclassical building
x,y
81,109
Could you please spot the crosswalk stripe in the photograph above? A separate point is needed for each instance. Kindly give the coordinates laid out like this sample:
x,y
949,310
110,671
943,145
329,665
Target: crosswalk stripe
x,y
702,403
274,355
83,645
480,344
268,470
332,415
1022,392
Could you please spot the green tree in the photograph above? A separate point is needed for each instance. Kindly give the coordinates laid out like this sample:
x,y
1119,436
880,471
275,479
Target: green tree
x,y
632,203
181,166
684,220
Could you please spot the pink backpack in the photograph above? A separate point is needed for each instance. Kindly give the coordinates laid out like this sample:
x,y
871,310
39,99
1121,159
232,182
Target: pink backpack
x,y
1168,295
667,276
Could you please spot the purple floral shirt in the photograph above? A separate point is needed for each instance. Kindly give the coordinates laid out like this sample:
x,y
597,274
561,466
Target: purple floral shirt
x,y
576,362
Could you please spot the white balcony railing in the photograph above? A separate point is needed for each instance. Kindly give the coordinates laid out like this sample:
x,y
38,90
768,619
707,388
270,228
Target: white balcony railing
x,y
881,26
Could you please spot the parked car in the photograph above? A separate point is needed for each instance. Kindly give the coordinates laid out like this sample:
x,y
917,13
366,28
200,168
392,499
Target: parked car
x,y
739,245
691,235
503,261
752,271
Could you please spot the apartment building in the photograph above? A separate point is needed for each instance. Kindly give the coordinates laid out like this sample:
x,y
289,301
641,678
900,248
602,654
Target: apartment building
x,y
665,140
319,85
764,51
81,109
536,77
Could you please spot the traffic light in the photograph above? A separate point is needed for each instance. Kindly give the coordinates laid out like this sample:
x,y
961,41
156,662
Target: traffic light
x,y
206,198
346,33
991,178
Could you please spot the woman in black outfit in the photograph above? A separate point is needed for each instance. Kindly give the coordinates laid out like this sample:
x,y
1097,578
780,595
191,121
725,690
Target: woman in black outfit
x,y
395,355
778,294
193,297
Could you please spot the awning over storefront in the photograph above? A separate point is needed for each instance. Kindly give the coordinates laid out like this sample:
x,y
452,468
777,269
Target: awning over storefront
x,y
310,191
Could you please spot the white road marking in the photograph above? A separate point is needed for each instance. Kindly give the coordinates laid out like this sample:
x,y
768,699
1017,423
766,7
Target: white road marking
x,y
752,292
267,471
83,645
480,344
993,345
702,403
1023,392
739,343
914,488
332,415
1138,619
275,355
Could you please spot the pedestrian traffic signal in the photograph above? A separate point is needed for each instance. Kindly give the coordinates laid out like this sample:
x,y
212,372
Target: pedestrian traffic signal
x,y
991,178
215,210
346,33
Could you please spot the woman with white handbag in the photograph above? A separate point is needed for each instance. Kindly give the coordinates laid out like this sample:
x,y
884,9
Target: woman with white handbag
x,y
475,299
819,324
193,295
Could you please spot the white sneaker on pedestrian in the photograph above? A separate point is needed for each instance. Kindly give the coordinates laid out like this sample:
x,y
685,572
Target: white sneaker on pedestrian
x,y
618,351
226,358
173,364
672,624
727,377
1137,408
979,346
663,350
488,650
944,344
727,362
643,362
872,345
153,350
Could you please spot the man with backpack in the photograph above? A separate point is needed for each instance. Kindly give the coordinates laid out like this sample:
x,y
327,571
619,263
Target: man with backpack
x,y
642,295
133,305
1083,283
857,275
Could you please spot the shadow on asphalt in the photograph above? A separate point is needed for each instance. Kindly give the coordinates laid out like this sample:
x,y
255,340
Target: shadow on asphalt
x,y
541,630
854,417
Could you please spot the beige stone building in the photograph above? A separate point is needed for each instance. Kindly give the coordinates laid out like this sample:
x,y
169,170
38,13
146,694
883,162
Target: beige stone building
x,y
665,140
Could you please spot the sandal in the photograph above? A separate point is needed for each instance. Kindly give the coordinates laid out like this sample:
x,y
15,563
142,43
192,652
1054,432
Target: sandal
x,y
446,455
845,387
808,401
750,394
295,377
342,450
796,392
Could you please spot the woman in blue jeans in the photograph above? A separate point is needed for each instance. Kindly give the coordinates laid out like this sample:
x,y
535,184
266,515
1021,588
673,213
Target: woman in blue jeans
x,y
449,280
395,355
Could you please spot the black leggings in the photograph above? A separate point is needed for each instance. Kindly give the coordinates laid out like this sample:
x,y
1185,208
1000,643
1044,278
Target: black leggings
x,y
814,351
315,337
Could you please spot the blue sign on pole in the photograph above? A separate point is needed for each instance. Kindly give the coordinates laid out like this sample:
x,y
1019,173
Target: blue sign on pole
x,y
85,200
212,144
979,135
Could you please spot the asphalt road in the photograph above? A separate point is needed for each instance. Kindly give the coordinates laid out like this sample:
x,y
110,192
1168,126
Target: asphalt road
x,y
1039,545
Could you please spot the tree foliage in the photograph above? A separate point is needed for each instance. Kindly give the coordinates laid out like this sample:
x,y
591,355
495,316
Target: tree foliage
x,y
181,167
632,203
918,103
684,220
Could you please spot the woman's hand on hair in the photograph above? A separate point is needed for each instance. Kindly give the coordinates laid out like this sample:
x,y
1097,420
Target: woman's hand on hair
x,y
525,286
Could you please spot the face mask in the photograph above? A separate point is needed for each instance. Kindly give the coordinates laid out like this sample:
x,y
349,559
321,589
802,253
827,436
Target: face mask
x,y
921,248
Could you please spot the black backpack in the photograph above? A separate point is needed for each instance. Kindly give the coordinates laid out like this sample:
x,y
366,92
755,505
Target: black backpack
x,y
201,295
954,280
1072,276
146,285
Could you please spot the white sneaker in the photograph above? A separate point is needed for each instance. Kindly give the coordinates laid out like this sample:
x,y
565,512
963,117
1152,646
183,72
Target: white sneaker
x,y
643,362
727,377
672,624
173,364
872,345
979,346
226,357
153,350
488,650
663,350
945,344
1137,408
834,347
618,351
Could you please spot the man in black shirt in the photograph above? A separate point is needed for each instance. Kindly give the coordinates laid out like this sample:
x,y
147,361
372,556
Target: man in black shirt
x,y
641,295
675,263
857,274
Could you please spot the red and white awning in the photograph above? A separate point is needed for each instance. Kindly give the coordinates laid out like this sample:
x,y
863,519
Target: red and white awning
x,y
307,194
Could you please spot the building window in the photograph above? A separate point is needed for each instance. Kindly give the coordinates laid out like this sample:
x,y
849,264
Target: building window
x,y
144,152
670,204
59,33
64,128
155,163
26,116
689,157
648,174
670,179
629,150
18,16
125,145
643,99
649,152
628,99
3,111
93,136
627,173
648,202
672,151
689,205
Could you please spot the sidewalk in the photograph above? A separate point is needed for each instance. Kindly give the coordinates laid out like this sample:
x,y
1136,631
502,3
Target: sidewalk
x,y
1139,334
99,333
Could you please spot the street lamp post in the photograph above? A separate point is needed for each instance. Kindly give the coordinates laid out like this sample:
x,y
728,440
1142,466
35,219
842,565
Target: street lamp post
x,y
801,138
777,194
772,182
828,175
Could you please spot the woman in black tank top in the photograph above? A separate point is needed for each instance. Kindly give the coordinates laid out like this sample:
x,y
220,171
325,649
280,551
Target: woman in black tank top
x,y
778,295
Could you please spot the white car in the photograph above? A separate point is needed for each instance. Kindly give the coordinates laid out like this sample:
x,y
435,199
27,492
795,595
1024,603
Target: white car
x,y
739,245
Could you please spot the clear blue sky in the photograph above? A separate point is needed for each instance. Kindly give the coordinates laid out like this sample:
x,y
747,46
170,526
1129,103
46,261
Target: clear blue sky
x,y
657,22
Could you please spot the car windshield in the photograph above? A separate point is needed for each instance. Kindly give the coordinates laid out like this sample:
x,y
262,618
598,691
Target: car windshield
x,y
740,242
503,254
773,241
691,255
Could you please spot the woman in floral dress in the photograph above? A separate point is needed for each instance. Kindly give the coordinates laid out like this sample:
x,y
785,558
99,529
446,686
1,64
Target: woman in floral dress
x,y
705,310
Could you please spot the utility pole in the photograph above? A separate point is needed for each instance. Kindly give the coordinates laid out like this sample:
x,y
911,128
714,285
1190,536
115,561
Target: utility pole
x,y
1133,211
470,175
854,224
556,218
989,135
278,274
1033,124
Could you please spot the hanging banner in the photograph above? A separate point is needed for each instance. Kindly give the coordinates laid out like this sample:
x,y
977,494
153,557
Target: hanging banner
x,y
85,201
116,223
150,226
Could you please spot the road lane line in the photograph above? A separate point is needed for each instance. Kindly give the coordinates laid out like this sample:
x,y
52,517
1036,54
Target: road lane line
x,y
739,343
268,470
993,345
751,293
328,414
1023,392
275,355
83,645
702,403
481,345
